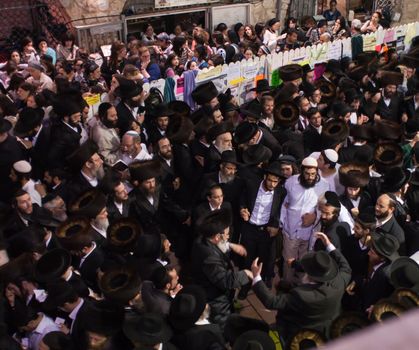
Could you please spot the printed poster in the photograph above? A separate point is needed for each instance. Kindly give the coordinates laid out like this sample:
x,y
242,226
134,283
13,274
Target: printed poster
x,y
369,42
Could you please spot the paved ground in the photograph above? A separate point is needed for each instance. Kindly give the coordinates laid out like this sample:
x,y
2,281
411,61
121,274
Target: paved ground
x,y
252,307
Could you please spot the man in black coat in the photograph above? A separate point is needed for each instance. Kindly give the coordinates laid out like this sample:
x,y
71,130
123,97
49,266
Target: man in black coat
x,y
390,106
260,207
211,265
361,134
312,134
314,304
220,139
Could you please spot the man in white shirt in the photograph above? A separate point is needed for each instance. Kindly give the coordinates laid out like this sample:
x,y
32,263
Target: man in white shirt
x,y
132,148
298,214
21,172
38,78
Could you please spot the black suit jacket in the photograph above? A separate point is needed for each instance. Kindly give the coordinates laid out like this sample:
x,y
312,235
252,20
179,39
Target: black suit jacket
x,y
155,300
37,153
75,187
113,211
65,141
393,228
271,142
248,200
311,140
78,325
212,159
393,111
409,108
89,267
199,337
412,237
338,233
312,306
125,118
365,201
204,208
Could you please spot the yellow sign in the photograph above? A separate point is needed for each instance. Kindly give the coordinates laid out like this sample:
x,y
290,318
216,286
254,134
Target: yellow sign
x,y
92,100
369,42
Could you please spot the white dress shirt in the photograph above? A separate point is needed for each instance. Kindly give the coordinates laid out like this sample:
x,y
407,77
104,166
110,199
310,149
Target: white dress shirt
x,y
46,325
299,201
74,313
263,205
33,193
92,180
85,257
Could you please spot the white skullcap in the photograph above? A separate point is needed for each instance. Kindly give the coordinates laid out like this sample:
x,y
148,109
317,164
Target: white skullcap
x,y
331,155
315,155
22,166
309,162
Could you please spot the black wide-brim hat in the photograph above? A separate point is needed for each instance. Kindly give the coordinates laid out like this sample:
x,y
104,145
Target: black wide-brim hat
x,y
120,284
82,154
148,246
217,130
253,110
229,156
244,132
354,174
387,130
88,204
340,109
74,233
122,234
57,293
142,170
387,155
214,222
162,110
290,72
256,154
361,132
180,108
358,72
179,129
128,89
103,318
52,265
5,125
404,273
29,119
147,329
301,338
386,308
334,131
286,114
346,323
254,339
187,307
391,78
327,88
236,325
274,168
385,245
334,67
262,85
204,93
366,57
410,60
319,266
394,179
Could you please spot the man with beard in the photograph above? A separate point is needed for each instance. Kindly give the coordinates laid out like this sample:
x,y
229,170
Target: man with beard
x,y
212,268
54,180
390,105
21,174
311,134
132,148
88,170
22,214
105,135
386,222
337,232
220,139
298,214
161,116
117,204
165,156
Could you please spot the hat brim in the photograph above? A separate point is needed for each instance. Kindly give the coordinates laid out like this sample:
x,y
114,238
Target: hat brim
x,y
306,263
395,270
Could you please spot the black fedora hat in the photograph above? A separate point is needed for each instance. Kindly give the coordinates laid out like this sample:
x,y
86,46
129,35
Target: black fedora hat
x,y
334,131
225,97
147,329
361,132
387,130
366,57
187,307
290,72
29,119
306,339
204,93
385,245
128,89
244,132
229,156
103,318
82,154
334,67
180,108
180,129
254,339
404,273
274,168
120,284
162,110
236,325
354,174
88,204
253,110
286,114
387,155
214,222
319,266
346,323
327,88
391,78
358,72
5,125
52,265
122,234
144,169
262,85
217,130
394,179
75,233
340,109
385,309
148,246
256,154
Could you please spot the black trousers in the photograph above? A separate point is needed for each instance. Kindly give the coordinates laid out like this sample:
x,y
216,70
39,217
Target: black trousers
x,y
258,243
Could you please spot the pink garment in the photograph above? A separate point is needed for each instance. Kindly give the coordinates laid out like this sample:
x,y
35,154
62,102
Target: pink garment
x,y
319,70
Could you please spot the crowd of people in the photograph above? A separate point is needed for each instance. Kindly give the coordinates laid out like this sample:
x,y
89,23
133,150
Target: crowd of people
x,y
145,225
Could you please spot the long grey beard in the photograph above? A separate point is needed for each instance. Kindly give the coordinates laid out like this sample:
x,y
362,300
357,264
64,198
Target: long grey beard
x,y
102,224
222,245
